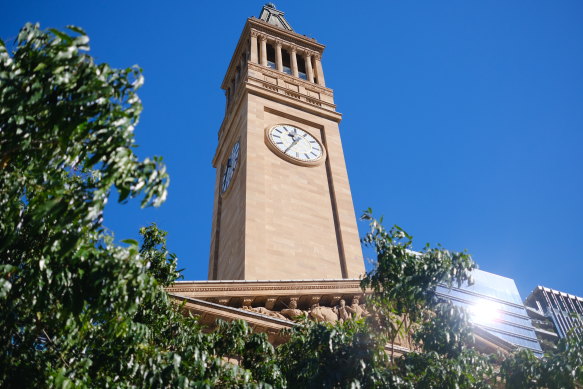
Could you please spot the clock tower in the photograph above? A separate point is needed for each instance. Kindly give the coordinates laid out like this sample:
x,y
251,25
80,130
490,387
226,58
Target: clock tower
x,y
283,208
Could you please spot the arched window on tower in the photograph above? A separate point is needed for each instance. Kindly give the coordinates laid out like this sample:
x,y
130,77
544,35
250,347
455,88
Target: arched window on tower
x,y
271,56
286,60
302,67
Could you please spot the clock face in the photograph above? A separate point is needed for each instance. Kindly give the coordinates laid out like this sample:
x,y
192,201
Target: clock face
x,y
230,167
295,143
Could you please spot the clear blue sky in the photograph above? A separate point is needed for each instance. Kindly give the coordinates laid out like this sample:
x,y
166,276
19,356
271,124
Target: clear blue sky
x,y
463,120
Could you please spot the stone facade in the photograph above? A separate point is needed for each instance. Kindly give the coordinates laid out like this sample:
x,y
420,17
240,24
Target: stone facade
x,y
279,220
270,306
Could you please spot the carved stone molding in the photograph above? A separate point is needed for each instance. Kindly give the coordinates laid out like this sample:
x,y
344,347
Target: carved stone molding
x,y
255,288
291,79
288,37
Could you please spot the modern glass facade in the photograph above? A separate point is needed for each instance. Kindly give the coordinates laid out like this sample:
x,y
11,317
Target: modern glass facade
x,y
494,305
563,309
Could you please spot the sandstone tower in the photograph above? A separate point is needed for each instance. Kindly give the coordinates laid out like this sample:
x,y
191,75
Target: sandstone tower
x,y
283,207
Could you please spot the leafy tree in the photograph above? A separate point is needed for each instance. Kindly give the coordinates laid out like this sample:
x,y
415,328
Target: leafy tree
x,y
404,309
559,368
343,355
76,309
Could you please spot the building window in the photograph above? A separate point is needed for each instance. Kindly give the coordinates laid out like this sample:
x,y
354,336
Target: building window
x,y
271,56
286,59
302,67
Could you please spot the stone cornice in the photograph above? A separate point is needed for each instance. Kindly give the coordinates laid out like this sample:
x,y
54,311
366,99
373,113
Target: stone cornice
x,y
250,287
263,35
209,312
290,36
278,294
307,105
198,298
294,80
255,27
213,308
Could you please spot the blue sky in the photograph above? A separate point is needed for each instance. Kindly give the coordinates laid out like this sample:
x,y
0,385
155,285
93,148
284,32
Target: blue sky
x,y
463,121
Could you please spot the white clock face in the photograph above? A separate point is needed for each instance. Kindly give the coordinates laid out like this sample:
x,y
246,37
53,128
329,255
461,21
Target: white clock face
x,y
230,168
295,143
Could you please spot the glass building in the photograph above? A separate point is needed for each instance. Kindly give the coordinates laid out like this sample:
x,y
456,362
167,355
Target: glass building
x,y
495,306
564,310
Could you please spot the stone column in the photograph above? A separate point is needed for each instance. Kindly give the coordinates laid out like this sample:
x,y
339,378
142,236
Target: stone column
x,y
294,61
254,57
278,59
319,70
309,70
263,41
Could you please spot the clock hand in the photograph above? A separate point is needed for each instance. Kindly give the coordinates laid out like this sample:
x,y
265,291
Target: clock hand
x,y
293,144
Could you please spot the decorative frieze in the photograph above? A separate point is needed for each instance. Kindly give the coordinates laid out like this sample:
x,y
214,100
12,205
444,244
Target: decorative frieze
x,y
314,88
289,40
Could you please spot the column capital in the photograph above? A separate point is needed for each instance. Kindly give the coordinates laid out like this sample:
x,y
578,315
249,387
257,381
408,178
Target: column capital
x,y
278,42
254,33
293,49
262,38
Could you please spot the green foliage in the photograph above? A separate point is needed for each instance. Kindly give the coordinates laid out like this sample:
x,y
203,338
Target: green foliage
x,y
403,285
522,370
161,263
447,331
344,355
559,368
77,310
430,369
